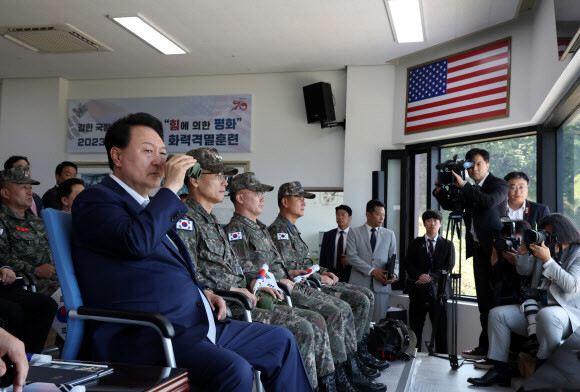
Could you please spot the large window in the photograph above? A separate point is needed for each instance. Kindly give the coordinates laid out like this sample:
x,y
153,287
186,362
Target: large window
x,y
571,167
506,155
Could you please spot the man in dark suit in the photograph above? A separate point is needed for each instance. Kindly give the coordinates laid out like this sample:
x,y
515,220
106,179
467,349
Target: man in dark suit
x,y
333,249
128,256
426,257
484,204
518,206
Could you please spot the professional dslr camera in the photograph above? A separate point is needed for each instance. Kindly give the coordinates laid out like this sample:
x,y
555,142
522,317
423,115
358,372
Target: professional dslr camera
x,y
502,243
533,237
445,179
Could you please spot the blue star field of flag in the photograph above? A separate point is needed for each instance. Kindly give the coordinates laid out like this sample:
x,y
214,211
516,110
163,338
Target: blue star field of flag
x,y
428,81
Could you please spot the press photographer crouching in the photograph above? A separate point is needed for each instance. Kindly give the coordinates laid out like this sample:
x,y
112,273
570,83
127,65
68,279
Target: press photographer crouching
x,y
482,204
554,269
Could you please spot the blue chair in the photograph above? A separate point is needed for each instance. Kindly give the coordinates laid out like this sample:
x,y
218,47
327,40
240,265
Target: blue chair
x,y
58,228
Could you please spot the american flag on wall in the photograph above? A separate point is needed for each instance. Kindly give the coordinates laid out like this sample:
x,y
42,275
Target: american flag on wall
x,y
463,88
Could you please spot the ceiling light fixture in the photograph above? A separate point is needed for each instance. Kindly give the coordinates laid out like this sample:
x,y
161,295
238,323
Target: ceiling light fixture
x,y
406,20
149,33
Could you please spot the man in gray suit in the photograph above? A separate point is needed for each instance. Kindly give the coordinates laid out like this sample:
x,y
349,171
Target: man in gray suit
x,y
370,247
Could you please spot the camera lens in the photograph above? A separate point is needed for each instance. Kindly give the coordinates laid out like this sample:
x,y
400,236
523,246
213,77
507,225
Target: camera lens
x,y
534,237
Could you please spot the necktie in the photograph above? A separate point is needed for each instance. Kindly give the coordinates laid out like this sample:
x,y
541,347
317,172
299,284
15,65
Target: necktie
x,y
339,252
373,239
430,247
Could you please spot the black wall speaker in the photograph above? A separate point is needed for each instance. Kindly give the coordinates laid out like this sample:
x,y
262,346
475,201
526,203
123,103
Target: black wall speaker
x,y
379,186
319,102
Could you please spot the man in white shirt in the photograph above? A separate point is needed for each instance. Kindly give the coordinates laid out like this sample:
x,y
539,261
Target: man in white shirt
x,y
518,206
333,248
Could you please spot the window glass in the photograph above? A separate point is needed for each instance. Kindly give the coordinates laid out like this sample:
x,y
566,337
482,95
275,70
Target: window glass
x,y
421,192
506,155
571,167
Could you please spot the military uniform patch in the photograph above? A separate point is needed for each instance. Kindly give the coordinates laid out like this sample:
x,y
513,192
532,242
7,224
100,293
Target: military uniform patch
x,y
184,224
283,236
235,236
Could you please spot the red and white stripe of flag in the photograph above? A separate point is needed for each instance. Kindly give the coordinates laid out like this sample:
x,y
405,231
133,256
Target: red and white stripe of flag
x,y
477,88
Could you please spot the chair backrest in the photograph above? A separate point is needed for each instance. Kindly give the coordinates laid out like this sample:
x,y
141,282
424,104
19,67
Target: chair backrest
x,y
59,228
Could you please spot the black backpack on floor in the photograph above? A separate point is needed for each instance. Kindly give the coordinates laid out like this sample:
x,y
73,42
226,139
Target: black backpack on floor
x,y
391,339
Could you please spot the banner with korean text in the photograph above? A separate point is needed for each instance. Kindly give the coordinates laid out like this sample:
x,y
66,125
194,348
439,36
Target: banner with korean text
x,y
220,121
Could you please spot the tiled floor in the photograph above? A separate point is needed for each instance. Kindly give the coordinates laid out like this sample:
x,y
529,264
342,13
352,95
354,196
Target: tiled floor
x,y
431,374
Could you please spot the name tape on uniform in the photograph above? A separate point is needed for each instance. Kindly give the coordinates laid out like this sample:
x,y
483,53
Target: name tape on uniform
x,y
235,236
184,224
283,236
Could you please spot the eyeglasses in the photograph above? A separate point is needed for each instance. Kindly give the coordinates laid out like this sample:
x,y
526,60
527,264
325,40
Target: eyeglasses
x,y
220,176
519,188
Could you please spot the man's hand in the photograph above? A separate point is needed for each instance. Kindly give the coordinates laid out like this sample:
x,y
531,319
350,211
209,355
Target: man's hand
x,y
523,249
510,256
14,348
288,283
251,296
217,303
7,275
45,271
175,170
295,273
459,182
379,275
392,280
424,278
274,293
324,279
541,251
331,276
344,260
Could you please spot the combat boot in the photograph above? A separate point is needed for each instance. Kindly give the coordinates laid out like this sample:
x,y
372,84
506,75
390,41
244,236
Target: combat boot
x,y
367,358
359,379
342,382
327,383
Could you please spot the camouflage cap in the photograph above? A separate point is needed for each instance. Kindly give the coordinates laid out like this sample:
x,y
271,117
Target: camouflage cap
x,y
293,188
209,159
18,175
248,180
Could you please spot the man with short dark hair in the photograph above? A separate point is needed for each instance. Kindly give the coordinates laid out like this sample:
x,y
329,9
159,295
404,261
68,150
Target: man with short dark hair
x,y
23,240
68,190
129,241
484,205
333,248
372,253
19,160
518,205
63,172
426,257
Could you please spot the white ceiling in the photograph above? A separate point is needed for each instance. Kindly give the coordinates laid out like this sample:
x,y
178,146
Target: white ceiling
x,y
234,36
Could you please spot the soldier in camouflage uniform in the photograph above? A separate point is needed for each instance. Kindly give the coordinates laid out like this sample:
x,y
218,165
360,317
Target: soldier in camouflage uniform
x,y
23,241
295,253
218,267
251,241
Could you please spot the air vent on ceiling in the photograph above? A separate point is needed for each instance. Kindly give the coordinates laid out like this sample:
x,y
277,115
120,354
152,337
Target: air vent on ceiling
x,y
53,39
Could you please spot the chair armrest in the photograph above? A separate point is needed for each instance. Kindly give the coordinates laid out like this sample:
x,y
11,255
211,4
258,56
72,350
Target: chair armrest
x,y
153,320
287,290
313,282
24,281
238,298
31,278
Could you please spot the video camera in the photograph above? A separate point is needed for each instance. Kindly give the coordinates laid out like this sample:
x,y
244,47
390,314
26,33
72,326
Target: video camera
x,y
445,179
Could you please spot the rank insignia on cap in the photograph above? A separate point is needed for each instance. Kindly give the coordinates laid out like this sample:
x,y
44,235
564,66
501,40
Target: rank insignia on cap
x,y
184,224
282,236
236,235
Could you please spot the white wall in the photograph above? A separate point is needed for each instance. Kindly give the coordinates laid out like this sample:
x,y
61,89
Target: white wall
x,y
369,126
534,70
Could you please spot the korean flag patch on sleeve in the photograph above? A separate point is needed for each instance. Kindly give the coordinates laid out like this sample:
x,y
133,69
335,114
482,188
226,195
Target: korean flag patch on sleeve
x,y
282,236
184,224
236,235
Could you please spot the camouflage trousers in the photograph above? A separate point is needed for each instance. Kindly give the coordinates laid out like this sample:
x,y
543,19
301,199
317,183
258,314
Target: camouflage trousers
x,y
309,329
361,301
337,314
47,286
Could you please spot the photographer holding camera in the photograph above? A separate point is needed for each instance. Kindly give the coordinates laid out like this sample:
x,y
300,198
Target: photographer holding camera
x,y
554,269
427,256
484,203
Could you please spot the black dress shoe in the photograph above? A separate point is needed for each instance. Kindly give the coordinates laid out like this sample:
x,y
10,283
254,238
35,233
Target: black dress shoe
x,y
493,376
341,379
359,379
